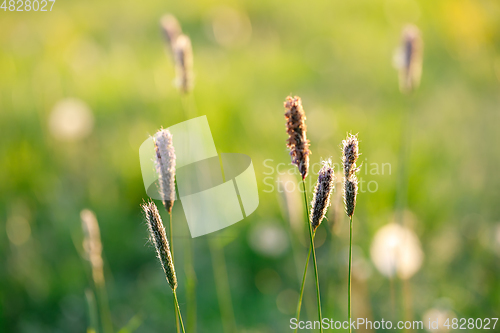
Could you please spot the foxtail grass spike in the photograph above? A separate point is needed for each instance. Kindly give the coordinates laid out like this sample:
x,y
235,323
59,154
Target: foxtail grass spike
x,y
297,139
171,28
92,244
322,192
159,238
93,248
183,56
350,154
350,193
410,59
165,167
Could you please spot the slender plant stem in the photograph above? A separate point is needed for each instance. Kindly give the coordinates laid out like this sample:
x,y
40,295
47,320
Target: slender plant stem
x,y
299,304
350,273
393,297
170,236
176,302
403,185
189,106
104,307
190,286
93,317
311,238
222,286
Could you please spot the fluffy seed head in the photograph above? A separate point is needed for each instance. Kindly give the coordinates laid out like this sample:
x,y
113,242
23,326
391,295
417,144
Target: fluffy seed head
x,y
350,154
171,28
165,166
296,128
159,238
350,193
409,59
322,192
183,57
92,244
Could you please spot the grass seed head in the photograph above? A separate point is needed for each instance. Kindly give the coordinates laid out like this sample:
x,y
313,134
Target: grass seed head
x,y
183,57
297,139
322,193
410,59
165,167
350,193
159,238
92,244
171,28
350,154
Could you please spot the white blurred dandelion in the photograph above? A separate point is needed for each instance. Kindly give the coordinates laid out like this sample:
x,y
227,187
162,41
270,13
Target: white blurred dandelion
x,y
396,250
70,120
435,318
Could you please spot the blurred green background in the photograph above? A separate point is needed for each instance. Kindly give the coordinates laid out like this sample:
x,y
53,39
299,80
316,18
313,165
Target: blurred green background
x,y
82,86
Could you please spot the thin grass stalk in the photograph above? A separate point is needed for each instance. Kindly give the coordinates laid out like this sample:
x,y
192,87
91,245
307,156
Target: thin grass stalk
x,y
189,107
311,237
334,249
107,325
286,215
93,248
401,200
190,287
222,287
93,317
177,324
407,303
350,274
404,153
299,304
409,73
171,231
176,304
350,154
190,284
320,204
393,297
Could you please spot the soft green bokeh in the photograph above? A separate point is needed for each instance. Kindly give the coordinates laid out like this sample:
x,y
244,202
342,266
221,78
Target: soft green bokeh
x,y
337,56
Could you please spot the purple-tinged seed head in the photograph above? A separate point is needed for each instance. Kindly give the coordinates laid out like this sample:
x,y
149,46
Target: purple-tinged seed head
x,y
410,62
322,193
297,139
350,154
